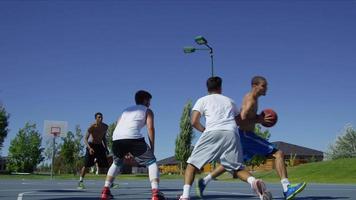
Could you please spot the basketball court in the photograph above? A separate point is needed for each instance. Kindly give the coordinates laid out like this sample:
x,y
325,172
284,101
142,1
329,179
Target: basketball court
x,y
140,189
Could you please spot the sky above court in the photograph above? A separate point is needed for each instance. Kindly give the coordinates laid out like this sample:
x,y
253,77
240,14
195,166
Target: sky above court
x,y
66,60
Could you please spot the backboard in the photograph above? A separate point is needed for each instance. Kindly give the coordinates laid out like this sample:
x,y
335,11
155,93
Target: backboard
x,y
55,128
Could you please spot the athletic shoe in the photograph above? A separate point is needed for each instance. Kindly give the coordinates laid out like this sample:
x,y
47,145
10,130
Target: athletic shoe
x,y
181,198
81,185
200,187
106,194
260,188
157,195
294,190
114,186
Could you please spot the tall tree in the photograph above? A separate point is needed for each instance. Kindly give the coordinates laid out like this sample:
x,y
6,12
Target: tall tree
x,y
25,151
111,129
184,139
257,160
68,151
71,150
4,122
345,145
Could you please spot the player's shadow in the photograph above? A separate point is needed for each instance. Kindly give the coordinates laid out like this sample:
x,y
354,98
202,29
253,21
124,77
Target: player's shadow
x,y
317,198
77,198
170,190
227,196
60,191
320,198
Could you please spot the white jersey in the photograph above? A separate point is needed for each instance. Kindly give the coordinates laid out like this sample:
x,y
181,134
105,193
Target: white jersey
x,y
219,112
132,120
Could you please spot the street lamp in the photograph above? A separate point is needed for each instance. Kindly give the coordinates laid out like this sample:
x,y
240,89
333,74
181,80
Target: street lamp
x,y
200,40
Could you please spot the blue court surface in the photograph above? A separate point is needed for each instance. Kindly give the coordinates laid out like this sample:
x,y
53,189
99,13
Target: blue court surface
x,y
140,189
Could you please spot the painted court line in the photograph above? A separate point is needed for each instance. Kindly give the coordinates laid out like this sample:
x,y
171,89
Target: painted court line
x,y
233,193
20,196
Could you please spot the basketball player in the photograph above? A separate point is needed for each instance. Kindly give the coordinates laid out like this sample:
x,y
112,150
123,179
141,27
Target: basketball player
x,y
96,147
219,140
129,141
253,144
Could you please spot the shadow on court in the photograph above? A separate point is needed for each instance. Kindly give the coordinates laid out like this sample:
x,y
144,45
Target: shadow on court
x,y
229,196
76,198
316,198
320,198
61,191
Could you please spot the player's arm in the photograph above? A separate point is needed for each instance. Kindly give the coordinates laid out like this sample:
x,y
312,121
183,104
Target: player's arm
x,y
104,141
150,128
196,121
86,141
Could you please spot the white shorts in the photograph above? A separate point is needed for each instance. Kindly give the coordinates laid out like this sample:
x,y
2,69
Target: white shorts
x,y
221,146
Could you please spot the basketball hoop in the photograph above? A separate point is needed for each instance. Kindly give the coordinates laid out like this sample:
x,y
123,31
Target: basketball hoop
x,y
55,128
55,131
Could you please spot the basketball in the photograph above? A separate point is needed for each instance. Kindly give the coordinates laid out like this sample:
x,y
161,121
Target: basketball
x,y
274,117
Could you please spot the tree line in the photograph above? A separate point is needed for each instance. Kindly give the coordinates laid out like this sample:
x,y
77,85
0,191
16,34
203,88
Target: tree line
x,y
26,153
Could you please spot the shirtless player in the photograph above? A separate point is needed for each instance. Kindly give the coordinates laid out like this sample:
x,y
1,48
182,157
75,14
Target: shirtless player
x,y
96,146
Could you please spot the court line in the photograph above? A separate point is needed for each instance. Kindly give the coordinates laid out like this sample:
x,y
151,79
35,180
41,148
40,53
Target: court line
x,y
20,196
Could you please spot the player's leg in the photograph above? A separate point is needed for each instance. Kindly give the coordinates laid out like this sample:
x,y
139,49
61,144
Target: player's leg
x,y
203,182
255,145
119,149
232,158
257,185
208,148
189,176
143,154
110,177
289,190
88,162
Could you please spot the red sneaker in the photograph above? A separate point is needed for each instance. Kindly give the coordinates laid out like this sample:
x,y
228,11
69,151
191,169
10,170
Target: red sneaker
x,y
157,195
106,194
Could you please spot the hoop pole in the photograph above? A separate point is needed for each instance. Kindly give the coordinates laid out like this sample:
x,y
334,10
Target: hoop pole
x,y
53,155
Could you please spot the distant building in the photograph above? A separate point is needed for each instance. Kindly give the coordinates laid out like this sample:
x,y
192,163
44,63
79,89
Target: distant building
x,y
301,153
292,153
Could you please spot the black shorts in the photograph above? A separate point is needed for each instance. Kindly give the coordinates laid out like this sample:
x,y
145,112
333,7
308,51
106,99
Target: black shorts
x,y
142,153
99,154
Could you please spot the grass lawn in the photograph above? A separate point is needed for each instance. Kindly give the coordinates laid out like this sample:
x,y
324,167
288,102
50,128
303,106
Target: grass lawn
x,y
336,171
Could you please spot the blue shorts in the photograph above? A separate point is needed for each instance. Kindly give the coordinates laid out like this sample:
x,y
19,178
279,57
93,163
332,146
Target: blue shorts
x,y
252,145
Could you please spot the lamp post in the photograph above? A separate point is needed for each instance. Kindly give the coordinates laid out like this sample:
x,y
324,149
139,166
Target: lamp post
x,y
200,40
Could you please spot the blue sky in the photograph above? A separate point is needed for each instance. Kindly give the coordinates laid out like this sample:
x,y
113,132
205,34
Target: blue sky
x,y
64,60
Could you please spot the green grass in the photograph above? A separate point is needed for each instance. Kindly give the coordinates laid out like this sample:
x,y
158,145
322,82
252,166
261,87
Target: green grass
x,y
336,171
87,176
72,177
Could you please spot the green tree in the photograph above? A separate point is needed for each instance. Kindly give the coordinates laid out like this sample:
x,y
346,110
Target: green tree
x,y
257,160
71,150
4,122
345,145
111,129
184,139
25,151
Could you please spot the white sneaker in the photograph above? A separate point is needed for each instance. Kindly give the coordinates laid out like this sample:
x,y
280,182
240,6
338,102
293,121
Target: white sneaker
x,y
260,188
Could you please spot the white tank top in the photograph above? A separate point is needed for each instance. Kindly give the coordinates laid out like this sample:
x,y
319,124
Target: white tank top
x,y
132,120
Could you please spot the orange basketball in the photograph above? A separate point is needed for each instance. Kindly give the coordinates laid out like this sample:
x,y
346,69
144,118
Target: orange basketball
x,y
273,114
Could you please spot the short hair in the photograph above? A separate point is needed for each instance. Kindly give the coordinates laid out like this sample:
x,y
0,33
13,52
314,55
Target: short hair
x,y
98,113
214,83
141,96
258,79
